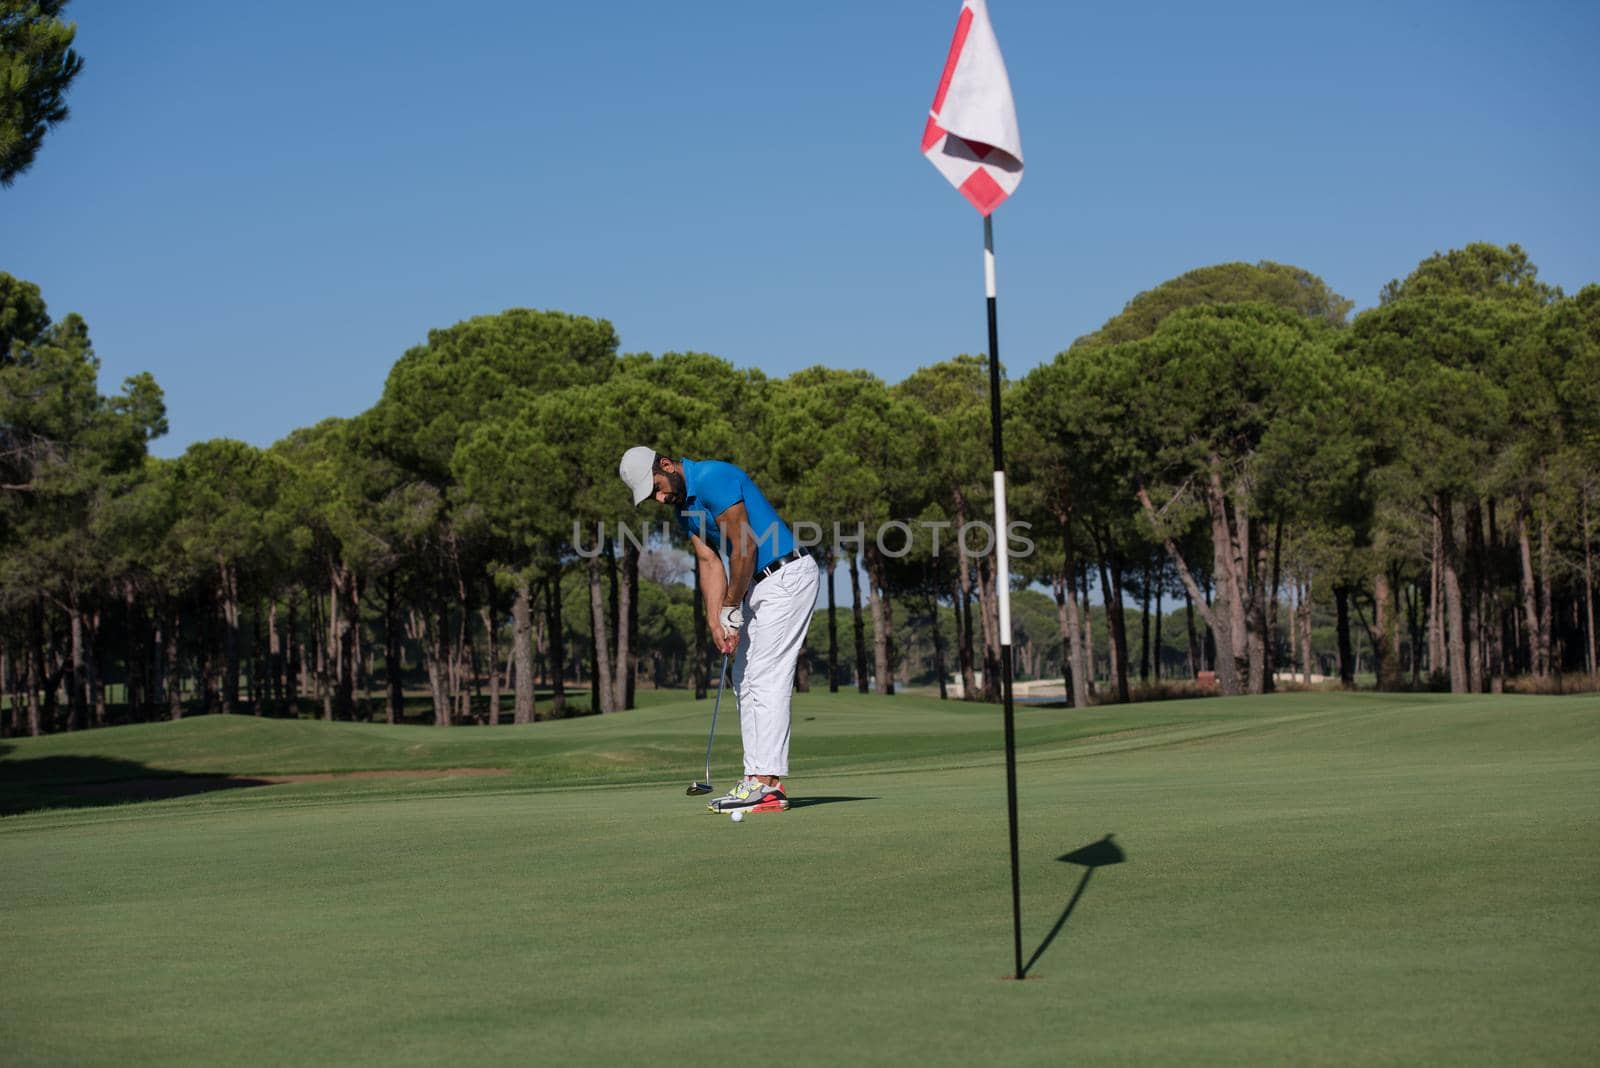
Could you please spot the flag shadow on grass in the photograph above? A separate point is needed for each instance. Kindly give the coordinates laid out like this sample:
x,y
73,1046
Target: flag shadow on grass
x,y
1099,854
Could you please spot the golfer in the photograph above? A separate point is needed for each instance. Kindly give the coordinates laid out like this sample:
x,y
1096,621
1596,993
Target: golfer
x,y
761,606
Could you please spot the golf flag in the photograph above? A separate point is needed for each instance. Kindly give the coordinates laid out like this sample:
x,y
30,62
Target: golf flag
x,y
971,136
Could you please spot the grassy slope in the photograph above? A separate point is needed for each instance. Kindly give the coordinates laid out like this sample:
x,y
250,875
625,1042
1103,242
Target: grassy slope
x,y
1316,879
661,743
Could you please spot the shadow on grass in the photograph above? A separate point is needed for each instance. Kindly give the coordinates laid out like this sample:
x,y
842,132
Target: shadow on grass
x,y
1094,855
86,782
807,802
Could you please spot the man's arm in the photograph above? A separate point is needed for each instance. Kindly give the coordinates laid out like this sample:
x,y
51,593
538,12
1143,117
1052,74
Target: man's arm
x,y
713,585
741,542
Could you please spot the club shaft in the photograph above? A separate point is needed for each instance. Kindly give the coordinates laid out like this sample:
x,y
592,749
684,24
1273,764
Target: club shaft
x,y
715,705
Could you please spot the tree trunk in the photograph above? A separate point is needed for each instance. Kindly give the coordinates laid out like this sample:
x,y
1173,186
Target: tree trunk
x,y
616,620
630,650
1144,628
1088,624
541,642
76,706
394,695
1229,606
1227,665
1474,575
36,672
863,684
1437,611
883,670
1234,566
426,628
602,642
1116,619
174,680
1113,654
964,657
1588,588
1455,609
962,611
1308,657
599,687
332,653
11,722
1414,629
472,676
278,652
491,628
253,680
833,626
1270,618
896,666
1294,627
448,646
938,637
138,655
1386,633
91,663
461,648
343,644
1155,661
229,596
1074,660
626,662
358,678
1194,639
989,616
271,694
557,641
293,665
522,650
1546,618
1347,660
320,623
1259,634
1491,612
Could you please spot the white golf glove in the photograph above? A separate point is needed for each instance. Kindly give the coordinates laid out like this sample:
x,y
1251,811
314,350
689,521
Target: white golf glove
x,y
731,618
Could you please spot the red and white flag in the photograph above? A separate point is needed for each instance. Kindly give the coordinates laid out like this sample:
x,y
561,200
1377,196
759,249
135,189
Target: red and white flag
x,y
971,134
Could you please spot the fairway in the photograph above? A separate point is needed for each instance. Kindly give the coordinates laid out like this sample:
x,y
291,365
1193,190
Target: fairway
x,y
1308,878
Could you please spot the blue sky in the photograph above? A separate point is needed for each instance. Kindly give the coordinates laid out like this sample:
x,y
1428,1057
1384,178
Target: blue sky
x,y
265,213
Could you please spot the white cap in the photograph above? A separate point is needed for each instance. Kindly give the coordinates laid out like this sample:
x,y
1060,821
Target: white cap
x,y
636,470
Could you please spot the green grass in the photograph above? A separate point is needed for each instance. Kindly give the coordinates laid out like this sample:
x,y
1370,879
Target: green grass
x,y
1310,878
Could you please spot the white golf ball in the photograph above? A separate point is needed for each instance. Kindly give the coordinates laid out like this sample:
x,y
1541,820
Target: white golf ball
x,y
737,815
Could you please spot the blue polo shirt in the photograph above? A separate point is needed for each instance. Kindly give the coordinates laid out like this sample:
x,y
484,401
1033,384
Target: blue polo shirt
x,y
712,487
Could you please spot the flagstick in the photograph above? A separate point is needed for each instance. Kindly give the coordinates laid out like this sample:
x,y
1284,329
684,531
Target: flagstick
x,y
1002,584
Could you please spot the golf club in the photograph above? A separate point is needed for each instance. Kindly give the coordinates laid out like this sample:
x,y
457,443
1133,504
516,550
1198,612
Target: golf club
x,y
704,786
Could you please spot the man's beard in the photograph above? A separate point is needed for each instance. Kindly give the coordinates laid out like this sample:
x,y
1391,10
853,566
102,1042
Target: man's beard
x,y
679,493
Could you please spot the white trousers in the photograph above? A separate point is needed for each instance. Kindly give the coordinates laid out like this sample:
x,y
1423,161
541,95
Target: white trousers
x,y
777,613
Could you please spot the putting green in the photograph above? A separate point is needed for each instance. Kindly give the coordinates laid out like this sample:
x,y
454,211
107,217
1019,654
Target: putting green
x,y
1310,879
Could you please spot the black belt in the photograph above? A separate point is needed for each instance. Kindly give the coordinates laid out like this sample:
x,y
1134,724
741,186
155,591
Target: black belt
x,y
787,558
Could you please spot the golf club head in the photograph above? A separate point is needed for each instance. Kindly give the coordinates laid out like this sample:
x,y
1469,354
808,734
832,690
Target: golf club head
x,y
697,788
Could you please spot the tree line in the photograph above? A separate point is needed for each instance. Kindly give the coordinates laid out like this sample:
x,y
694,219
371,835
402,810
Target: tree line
x,y
1424,475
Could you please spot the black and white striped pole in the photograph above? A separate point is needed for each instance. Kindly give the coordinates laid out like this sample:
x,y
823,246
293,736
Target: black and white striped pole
x,y
1002,585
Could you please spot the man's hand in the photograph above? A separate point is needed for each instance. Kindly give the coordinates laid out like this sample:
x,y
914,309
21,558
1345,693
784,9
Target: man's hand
x,y
725,630
725,641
